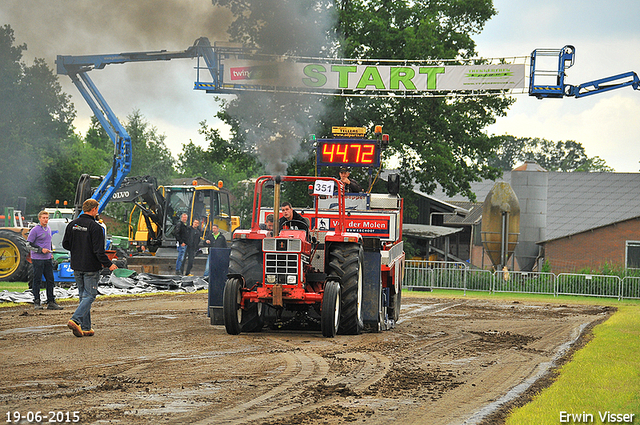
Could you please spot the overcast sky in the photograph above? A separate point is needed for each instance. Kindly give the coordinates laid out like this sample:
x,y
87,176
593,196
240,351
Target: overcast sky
x,y
606,37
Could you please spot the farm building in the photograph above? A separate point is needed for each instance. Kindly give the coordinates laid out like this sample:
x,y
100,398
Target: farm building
x,y
585,221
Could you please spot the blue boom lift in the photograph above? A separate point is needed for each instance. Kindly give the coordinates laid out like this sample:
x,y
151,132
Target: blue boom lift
x,y
77,68
565,59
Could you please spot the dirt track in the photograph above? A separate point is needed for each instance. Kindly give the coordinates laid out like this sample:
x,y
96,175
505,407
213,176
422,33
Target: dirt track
x,y
158,359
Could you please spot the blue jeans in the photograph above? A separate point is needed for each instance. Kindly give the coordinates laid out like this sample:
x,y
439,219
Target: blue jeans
x,y
87,283
206,268
42,267
181,251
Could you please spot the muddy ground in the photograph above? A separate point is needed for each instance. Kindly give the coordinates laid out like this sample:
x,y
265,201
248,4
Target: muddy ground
x,y
159,360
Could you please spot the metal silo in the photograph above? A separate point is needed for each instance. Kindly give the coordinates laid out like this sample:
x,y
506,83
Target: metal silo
x,y
500,223
530,182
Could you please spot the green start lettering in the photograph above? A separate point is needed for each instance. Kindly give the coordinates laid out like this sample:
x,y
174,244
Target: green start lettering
x,y
402,75
315,72
371,77
315,76
432,72
343,74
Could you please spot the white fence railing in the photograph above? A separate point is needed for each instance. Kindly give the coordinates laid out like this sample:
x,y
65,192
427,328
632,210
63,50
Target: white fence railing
x,y
422,274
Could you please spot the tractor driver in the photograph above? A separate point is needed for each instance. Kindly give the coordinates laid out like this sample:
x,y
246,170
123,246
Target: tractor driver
x,y
291,219
350,185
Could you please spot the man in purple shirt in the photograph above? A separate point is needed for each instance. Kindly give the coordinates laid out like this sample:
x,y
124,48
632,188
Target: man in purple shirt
x,y
40,243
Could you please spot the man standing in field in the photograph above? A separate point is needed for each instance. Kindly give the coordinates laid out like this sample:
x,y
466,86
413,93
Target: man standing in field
x,y
84,239
39,241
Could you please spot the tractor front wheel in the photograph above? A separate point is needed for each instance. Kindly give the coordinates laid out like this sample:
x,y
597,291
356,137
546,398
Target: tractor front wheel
x,y
231,306
330,315
236,318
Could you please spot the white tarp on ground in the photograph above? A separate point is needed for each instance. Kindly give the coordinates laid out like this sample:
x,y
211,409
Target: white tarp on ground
x,y
112,285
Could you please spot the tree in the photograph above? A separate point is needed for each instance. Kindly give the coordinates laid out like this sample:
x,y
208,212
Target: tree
x,y
439,140
150,154
222,160
36,133
97,137
552,156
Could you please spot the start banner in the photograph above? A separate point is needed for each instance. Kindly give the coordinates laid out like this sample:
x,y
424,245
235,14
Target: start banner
x,y
253,75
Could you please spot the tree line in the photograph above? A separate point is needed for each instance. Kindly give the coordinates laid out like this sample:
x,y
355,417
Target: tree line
x,y
434,141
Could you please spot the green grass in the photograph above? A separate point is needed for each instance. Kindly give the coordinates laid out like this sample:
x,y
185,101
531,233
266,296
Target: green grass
x,y
512,296
602,376
14,286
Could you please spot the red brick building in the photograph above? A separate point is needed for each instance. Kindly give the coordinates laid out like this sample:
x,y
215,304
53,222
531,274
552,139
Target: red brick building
x,y
592,220
611,245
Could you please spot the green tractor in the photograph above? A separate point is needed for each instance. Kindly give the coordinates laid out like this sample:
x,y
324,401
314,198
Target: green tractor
x,y
15,260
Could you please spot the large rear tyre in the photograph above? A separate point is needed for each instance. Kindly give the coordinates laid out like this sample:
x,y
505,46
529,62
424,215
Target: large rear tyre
x,y
13,256
346,261
246,259
330,315
231,306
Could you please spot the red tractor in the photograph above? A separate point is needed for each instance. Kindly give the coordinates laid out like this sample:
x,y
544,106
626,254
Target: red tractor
x,y
328,266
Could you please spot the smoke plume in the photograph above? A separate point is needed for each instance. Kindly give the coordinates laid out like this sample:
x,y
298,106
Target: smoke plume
x,y
275,125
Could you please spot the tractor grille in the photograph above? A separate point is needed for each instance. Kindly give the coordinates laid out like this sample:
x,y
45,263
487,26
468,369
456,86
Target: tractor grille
x,y
276,263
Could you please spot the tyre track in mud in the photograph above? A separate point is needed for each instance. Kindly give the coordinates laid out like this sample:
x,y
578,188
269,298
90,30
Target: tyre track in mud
x,y
307,383
159,360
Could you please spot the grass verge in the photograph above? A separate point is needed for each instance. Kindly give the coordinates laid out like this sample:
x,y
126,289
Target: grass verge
x,y
14,286
603,376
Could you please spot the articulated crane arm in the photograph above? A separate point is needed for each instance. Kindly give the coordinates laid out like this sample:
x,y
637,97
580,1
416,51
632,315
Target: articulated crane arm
x,y
77,68
565,60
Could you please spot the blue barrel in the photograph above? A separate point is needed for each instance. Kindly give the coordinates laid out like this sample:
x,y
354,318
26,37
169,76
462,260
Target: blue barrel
x,y
218,269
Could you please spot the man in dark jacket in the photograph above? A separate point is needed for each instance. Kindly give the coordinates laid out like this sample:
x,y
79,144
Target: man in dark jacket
x,y
350,185
193,241
182,234
214,239
291,219
84,239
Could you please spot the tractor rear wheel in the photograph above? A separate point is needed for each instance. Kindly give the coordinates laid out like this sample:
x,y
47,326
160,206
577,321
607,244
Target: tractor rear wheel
x,y
346,261
253,320
330,315
13,256
246,259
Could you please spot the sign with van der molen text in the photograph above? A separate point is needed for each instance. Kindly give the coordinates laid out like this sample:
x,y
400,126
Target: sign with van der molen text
x,y
354,77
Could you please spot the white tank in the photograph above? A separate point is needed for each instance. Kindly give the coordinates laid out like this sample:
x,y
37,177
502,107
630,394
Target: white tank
x,y
530,182
58,227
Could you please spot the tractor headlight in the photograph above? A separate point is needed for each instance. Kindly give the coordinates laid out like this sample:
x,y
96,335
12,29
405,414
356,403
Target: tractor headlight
x,y
292,279
271,278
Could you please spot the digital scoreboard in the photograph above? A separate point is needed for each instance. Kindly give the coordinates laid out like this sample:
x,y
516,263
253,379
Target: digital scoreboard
x,y
348,152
